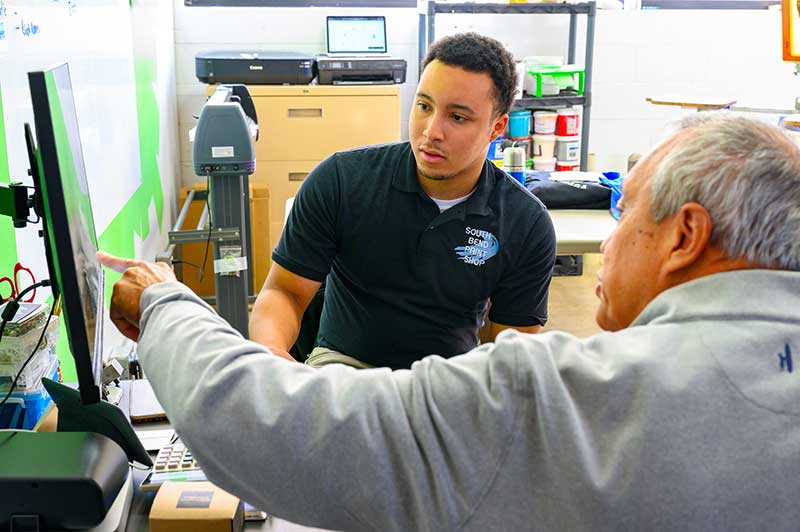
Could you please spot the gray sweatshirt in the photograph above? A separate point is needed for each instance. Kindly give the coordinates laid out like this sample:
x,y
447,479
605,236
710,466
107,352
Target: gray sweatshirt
x,y
687,420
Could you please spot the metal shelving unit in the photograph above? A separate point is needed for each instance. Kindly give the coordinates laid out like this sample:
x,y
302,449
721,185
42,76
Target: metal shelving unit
x,y
427,33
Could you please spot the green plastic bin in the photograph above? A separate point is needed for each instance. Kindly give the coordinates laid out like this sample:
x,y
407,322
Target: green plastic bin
x,y
563,75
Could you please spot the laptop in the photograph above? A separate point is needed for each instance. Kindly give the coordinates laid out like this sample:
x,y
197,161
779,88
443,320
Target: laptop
x,y
363,36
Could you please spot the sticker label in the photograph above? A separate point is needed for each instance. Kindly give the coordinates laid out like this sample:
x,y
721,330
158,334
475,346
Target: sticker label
x,y
230,265
221,151
195,499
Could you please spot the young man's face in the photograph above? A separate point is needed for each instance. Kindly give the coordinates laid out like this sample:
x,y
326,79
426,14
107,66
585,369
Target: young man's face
x,y
452,122
634,253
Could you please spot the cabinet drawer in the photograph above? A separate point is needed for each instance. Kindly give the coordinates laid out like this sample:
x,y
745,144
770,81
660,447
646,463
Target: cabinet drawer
x,y
283,179
313,127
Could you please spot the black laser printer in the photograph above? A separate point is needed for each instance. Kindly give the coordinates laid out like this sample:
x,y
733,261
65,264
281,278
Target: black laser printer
x,y
255,67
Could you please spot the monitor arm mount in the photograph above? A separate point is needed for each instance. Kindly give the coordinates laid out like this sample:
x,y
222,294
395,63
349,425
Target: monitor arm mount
x,y
16,202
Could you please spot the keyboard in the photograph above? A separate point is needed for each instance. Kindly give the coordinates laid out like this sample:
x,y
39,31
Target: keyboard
x,y
174,462
175,457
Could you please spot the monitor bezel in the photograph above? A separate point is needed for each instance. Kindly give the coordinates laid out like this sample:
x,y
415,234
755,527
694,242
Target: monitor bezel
x,y
58,242
355,17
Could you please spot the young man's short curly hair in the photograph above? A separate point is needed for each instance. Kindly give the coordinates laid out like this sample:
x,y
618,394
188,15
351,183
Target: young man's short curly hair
x,y
477,53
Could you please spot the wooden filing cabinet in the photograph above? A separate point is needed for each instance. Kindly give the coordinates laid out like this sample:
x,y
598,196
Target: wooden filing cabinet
x,y
300,125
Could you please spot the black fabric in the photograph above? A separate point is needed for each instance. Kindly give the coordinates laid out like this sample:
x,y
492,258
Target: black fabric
x,y
572,195
403,280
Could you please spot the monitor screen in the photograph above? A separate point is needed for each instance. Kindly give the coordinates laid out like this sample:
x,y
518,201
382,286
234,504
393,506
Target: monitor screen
x,y
69,233
356,35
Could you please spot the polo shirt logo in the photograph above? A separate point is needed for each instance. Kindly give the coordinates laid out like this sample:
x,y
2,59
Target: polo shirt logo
x,y
481,246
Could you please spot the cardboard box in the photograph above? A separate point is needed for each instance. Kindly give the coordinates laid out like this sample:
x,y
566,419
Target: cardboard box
x,y
197,506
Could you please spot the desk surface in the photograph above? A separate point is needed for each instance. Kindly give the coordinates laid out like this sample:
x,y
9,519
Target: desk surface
x,y
577,231
581,231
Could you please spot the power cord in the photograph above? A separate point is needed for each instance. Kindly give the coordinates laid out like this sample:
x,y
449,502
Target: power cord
x,y
186,262
192,264
13,305
38,343
210,226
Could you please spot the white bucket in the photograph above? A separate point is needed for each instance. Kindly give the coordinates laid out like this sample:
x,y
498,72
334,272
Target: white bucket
x,y
568,148
542,163
521,73
544,146
544,122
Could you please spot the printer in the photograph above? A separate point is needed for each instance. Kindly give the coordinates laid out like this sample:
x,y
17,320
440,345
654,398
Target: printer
x,y
255,67
361,70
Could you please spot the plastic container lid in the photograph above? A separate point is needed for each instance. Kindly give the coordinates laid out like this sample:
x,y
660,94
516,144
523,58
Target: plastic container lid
x,y
568,112
520,112
544,160
568,138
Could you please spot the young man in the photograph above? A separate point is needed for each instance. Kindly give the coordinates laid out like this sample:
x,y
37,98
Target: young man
x,y
416,238
685,418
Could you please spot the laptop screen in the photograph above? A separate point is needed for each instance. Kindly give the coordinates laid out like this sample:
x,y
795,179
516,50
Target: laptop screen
x,y
356,35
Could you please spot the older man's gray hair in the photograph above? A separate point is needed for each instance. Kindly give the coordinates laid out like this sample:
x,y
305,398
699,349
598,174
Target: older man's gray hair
x,y
746,173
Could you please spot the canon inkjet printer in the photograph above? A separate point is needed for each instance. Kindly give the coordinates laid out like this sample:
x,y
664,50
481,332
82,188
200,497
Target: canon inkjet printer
x,y
255,67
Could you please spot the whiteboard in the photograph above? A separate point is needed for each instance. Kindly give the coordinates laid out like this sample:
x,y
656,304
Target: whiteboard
x,y
95,38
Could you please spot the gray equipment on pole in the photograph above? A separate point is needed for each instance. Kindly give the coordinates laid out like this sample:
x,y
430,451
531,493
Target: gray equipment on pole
x,y
224,152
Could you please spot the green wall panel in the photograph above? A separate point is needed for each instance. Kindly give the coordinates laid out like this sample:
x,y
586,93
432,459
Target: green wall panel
x,y
8,240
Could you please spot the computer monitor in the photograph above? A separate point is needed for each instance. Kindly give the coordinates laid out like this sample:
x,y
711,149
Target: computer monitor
x,y
356,35
69,235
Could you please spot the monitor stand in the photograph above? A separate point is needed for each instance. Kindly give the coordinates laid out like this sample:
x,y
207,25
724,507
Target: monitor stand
x,y
102,418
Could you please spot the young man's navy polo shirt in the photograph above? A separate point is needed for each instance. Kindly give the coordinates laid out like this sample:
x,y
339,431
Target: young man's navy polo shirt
x,y
404,280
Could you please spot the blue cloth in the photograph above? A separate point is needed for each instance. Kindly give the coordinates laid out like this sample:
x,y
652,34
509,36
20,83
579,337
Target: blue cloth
x,y
614,181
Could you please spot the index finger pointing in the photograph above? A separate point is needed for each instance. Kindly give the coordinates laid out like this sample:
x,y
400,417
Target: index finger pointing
x,y
118,264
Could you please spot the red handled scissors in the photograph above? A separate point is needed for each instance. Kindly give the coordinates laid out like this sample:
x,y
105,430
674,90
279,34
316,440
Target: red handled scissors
x,y
16,289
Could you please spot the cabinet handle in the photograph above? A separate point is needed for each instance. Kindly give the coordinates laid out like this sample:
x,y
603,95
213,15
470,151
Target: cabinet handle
x,y
312,112
297,176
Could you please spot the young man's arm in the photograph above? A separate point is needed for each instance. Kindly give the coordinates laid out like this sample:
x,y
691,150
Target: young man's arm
x,y
301,260
279,307
520,300
496,328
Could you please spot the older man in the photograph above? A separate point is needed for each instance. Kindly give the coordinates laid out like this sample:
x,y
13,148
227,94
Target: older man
x,y
685,418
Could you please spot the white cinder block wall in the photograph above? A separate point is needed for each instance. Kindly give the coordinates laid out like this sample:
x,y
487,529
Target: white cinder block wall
x,y
637,54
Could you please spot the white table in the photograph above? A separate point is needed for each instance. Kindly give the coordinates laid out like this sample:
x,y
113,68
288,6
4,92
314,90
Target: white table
x,y
581,231
577,231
